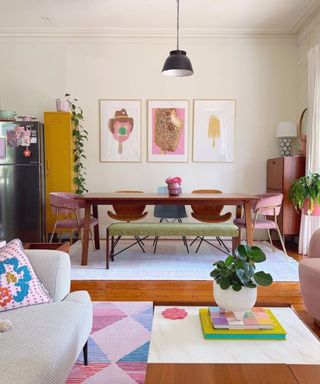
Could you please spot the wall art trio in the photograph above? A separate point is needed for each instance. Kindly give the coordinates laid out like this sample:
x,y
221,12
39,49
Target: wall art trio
x,y
167,130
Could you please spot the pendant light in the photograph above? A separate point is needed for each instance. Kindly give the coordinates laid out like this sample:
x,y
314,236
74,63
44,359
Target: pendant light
x,y
178,63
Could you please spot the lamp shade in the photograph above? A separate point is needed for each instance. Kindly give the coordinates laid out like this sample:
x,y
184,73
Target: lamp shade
x,y
177,64
286,129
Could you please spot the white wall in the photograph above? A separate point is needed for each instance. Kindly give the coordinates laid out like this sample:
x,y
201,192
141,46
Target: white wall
x,y
261,74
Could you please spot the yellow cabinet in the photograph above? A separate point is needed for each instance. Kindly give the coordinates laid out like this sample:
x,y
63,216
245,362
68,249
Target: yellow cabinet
x,y
58,157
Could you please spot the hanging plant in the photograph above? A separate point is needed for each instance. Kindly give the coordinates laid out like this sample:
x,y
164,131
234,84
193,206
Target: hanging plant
x,y
80,136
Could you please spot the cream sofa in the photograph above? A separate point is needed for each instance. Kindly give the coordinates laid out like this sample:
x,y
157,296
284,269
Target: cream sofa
x,y
46,339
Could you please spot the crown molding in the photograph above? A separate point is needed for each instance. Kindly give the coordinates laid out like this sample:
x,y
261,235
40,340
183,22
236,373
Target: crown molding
x,y
308,26
305,17
141,33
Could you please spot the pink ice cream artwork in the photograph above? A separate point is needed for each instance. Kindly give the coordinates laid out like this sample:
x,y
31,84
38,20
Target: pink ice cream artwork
x,y
121,127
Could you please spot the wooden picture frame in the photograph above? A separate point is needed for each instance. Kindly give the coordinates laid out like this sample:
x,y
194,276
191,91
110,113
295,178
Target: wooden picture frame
x,y
120,130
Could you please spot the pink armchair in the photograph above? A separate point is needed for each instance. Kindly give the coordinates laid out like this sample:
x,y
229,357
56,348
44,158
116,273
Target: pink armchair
x,y
66,206
266,210
309,274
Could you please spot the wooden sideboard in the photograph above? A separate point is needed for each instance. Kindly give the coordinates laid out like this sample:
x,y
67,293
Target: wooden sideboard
x,y
281,172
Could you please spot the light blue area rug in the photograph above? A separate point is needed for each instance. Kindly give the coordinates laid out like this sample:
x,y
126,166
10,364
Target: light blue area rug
x,y
171,262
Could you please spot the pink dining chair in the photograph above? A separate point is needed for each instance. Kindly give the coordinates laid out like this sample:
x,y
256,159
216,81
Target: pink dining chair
x,y
266,210
66,207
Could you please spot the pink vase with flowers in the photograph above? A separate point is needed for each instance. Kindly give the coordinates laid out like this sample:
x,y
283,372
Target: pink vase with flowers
x,y
174,185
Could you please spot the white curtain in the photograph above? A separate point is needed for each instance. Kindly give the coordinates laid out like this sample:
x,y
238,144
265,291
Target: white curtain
x,y
309,224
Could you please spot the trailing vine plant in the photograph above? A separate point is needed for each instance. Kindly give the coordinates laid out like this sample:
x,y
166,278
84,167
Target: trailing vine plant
x,y
80,136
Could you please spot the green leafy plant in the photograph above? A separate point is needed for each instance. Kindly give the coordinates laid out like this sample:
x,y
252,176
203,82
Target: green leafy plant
x,y
305,190
238,270
80,136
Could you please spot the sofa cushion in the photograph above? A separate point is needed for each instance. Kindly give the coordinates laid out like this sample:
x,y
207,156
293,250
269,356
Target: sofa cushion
x,y
19,285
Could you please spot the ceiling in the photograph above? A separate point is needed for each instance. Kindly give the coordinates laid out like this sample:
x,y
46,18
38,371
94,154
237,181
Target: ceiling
x,y
236,16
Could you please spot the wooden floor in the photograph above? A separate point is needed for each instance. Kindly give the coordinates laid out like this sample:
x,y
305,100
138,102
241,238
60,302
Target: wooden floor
x,y
192,292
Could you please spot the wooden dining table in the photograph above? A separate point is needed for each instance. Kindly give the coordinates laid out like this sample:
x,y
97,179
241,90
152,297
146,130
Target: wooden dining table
x,y
240,200
94,199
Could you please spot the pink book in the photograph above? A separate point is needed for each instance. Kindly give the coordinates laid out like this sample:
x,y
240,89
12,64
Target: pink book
x,y
257,318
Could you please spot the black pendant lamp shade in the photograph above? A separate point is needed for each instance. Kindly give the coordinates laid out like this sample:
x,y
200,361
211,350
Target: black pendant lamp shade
x,y
177,64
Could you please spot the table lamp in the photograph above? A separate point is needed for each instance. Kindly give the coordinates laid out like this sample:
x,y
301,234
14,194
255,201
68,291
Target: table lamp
x,y
286,130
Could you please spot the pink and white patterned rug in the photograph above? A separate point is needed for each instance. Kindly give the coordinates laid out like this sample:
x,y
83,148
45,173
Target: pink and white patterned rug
x,y
118,345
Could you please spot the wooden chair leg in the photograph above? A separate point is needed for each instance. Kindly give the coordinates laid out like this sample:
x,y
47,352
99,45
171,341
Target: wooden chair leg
x,y
85,353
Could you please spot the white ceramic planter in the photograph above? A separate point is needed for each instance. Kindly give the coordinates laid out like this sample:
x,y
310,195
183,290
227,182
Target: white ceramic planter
x,y
236,302
62,105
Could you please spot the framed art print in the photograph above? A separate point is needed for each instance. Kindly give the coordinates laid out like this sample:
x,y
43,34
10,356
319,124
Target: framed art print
x,y
213,130
120,130
168,130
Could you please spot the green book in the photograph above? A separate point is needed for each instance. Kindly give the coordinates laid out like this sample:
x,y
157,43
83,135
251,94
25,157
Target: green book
x,y
277,333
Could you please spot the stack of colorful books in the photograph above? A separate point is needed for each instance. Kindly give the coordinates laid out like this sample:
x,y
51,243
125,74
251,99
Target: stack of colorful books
x,y
259,324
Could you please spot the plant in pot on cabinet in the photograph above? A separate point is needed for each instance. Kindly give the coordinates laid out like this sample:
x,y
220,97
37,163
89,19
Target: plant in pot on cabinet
x,y
236,280
305,194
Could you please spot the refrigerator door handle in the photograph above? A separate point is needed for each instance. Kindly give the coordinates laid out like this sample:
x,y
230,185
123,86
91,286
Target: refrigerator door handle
x,y
47,167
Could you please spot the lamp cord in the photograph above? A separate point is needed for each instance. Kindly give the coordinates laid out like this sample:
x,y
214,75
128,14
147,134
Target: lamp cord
x,y
177,25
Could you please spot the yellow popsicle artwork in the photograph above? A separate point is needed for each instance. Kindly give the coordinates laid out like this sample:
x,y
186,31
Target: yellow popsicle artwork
x,y
214,129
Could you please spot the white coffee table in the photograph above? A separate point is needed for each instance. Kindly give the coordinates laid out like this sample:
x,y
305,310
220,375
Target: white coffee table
x,y
182,341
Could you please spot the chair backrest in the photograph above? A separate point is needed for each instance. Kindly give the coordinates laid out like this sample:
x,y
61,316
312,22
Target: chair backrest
x,y
129,210
65,202
166,211
268,204
207,209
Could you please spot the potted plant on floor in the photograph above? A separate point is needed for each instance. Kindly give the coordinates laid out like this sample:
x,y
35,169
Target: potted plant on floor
x,y
236,280
305,194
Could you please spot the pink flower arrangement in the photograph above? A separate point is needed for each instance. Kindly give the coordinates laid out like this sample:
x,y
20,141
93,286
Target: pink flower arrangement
x,y
175,179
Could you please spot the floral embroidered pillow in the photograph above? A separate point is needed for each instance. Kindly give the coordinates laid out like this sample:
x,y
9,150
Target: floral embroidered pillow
x,y
19,285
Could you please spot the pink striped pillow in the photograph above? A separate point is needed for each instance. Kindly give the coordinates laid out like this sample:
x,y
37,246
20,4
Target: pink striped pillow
x,y
19,285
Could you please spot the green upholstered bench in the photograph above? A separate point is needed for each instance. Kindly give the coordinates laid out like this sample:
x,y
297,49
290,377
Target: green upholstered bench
x,y
167,229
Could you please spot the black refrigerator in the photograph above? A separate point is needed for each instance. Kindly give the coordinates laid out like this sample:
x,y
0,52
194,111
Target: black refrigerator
x,y
22,186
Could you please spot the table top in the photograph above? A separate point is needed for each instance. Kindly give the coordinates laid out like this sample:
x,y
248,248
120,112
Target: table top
x,y
182,341
154,198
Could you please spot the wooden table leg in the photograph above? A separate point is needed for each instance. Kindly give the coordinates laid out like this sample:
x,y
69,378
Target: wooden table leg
x,y
249,230
236,241
96,227
85,240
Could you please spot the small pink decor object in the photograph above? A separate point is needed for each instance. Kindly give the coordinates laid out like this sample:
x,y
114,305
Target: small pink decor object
x,y
174,185
174,313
